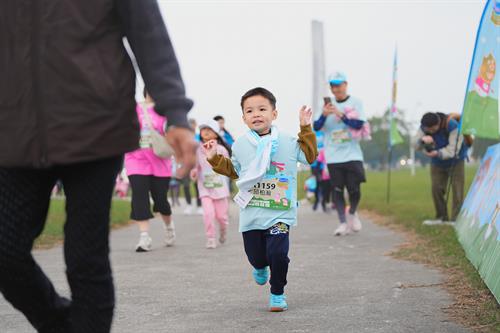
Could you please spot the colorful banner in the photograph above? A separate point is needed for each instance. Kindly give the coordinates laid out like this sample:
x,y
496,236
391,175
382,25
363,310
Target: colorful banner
x,y
478,225
481,115
394,136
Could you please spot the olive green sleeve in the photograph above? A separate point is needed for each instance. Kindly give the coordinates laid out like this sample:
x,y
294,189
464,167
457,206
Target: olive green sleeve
x,y
307,142
223,165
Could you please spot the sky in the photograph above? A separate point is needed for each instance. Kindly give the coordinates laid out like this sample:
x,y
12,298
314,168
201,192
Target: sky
x,y
228,47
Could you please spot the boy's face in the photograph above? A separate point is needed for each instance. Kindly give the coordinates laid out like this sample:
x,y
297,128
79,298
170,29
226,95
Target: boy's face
x,y
259,114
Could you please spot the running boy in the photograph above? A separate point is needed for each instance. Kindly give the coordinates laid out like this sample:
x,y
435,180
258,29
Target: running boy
x,y
265,163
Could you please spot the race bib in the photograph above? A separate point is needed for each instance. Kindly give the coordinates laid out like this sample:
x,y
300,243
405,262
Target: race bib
x,y
341,136
212,180
145,140
273,192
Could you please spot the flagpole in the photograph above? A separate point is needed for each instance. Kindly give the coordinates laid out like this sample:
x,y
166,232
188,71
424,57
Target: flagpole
x,y
389,162
391,141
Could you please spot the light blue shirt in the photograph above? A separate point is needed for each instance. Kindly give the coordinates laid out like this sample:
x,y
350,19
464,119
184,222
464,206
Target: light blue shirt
x,y
340,147
286,157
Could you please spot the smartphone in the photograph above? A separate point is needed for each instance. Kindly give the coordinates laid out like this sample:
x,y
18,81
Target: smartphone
x,y
327,100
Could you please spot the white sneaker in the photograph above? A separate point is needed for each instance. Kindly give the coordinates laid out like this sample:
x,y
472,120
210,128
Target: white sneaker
x,y
438,222
433,222
354,222
199,211
145,243
342,230
188,210
169,234
211,244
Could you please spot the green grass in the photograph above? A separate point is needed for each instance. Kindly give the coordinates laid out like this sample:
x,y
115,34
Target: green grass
x,y
53,231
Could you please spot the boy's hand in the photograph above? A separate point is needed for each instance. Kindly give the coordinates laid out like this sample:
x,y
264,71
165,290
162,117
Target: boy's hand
x,y
210,148
305,115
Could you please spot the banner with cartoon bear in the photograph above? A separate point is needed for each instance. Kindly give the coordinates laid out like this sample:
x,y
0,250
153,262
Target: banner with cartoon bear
x,y
478,225
481,114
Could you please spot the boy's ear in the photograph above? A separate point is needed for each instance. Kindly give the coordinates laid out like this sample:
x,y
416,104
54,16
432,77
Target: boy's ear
x,y
275,114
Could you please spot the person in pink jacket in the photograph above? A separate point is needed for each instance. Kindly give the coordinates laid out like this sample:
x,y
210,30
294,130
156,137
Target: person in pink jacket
x,y
213,188
147,174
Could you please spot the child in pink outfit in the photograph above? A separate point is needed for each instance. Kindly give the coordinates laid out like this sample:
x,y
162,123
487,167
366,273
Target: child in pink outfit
x,y
213,188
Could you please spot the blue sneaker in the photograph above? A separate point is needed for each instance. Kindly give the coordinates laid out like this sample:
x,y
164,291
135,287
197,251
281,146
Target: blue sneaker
x,y
261,276
277,303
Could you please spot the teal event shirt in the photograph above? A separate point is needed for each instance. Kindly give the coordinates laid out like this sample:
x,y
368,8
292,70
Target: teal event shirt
x,y
279,187
340,146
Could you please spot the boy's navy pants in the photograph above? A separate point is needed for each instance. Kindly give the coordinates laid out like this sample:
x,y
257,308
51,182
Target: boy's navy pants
x,y
270,248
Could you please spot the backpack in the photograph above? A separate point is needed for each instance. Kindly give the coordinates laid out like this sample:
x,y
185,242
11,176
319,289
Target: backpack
x,y
468,138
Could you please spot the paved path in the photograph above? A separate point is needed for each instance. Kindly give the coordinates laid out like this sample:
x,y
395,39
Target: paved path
x,y
335,284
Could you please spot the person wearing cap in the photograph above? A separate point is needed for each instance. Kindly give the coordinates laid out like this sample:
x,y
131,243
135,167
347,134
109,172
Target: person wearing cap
x,y
344,157
213,188
439,139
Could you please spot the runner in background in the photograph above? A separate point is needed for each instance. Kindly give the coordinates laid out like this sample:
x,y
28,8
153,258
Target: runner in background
x,y
214,188
149,174
343,122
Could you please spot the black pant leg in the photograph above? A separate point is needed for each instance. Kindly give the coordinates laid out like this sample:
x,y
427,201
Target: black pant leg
x,y
24,202
255,248
198,199
141,207
186,186
338,177
159,193
89,189
277,247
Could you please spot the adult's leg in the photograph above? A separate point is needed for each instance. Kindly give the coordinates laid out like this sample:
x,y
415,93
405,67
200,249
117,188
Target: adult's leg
x,y
159,193
338,178
439,179
24,201
326,191
141,207
186,185
457,183
89,190
355,176
255,248
198,199
317,191
208,216
277,246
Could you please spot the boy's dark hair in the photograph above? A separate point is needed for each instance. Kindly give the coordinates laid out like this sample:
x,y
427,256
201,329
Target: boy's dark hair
x,y
430,119
259,92
218,117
